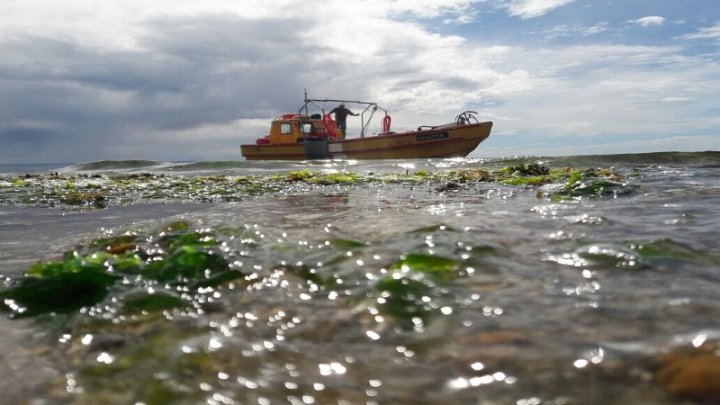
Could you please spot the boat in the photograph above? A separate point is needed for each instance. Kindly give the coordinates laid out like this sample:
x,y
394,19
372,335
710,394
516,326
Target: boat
x,y
311,133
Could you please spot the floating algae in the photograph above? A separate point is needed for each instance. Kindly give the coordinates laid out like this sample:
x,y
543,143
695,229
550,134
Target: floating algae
x,y
654,254
142,271
100,191
588,183
412,291
59,287
438,267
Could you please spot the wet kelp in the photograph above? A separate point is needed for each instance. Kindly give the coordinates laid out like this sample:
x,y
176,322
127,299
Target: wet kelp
x,y
98,191
139,271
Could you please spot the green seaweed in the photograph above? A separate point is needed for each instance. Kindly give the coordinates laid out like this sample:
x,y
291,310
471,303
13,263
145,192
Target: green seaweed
x,y
589,188
531,180
409,292
72,263
347,244
592,182
440,268
529,169
434,228
186,263
74,191
85,276
319,178
309,275
657,254
465,175
609,255
340,177
484,249
667,252
112,242
61,292
300,175
152,302
665,248
18,182
403,298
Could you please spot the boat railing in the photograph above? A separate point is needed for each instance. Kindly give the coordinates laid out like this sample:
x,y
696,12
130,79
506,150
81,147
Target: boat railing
x,y
366,115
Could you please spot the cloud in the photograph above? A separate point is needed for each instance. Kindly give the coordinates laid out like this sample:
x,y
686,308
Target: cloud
x,y
706,33
649,21
122,92
585,99
453,9
575,30
672,99
527,9
191,81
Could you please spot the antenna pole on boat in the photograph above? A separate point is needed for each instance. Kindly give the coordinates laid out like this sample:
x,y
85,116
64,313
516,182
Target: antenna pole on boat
x,y
305,104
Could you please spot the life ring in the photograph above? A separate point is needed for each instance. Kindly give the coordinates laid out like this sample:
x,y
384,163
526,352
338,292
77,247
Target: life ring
x,y
329,126
386,123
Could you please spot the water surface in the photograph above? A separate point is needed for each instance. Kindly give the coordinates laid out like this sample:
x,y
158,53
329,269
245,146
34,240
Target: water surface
x,y
381,291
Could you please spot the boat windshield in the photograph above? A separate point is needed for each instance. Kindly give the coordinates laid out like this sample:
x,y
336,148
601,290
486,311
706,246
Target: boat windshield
x,y
307,127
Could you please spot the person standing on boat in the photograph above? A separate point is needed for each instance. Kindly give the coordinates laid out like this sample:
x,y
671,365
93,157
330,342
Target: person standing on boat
x,y
341,114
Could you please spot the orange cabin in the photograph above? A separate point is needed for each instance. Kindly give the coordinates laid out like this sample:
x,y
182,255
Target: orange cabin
x,y
293,128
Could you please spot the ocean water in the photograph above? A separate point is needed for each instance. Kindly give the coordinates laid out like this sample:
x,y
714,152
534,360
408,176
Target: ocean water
x,y
408,283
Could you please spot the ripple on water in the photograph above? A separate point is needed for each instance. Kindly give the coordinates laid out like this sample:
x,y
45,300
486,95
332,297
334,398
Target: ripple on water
x,y
599,256
394,293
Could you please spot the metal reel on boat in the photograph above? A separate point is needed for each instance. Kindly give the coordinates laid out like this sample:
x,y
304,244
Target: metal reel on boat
x,y
467,117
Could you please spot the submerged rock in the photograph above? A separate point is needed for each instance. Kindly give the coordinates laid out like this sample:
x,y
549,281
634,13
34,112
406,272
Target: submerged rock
x,y
450,186
695,375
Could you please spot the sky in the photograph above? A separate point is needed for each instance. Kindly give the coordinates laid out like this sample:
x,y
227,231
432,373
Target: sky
x,y
178,80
